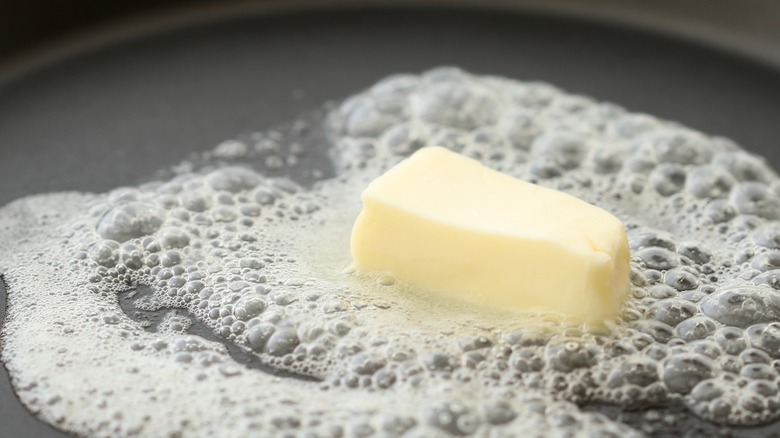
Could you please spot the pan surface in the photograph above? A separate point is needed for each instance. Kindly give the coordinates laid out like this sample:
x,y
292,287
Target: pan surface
x,y
113,115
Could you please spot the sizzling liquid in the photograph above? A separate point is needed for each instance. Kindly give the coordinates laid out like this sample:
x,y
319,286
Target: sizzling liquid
x,y
260,260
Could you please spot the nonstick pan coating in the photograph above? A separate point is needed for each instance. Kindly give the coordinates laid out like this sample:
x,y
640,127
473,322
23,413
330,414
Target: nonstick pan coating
x,y
112,115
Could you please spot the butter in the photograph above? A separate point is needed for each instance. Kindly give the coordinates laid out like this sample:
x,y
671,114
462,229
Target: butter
x,y
445,223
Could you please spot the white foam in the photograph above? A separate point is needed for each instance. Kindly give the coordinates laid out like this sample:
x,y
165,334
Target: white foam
x,y
260,261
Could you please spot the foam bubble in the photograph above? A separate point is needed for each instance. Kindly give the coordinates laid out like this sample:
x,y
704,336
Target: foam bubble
x,y
221,299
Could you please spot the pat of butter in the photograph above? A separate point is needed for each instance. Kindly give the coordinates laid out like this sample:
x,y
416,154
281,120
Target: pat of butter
x,y
445,223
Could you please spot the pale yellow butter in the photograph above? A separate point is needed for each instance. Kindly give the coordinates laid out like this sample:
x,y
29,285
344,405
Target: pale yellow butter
x,y
445,223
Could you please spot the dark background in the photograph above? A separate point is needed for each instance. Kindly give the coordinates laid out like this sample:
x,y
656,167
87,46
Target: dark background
x,y
28,26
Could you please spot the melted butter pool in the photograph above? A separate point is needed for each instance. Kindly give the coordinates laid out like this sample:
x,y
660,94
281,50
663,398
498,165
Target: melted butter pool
x,y
232,243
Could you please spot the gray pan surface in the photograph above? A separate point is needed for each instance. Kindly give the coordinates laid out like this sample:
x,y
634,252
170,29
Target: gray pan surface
x,y
112,115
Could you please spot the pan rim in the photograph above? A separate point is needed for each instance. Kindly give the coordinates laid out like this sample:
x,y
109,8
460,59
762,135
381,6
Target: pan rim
x,y
659,24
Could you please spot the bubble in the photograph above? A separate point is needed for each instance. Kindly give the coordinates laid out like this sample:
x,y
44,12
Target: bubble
x,y
710,182
609,159
453,417
526,360
768,236
721,211
741,307
195,286
758,371
568,355
150,244
398,85
474,343
519,129
565,151
172,237
658,258
706,390
769,278
731,339
232,179
224,214
630,126
635,371
370,118
398,424
765,388
766,261
755,199
499,412
651,239
683,372
257,336
682,148
672,311
766,337
402,139
744,167
668,179
250,263
123,195
696,328
105,253
462,106
130,221
170,258
730,364
248,308
366,363
281,342
681,280
441,362
660,331
754,355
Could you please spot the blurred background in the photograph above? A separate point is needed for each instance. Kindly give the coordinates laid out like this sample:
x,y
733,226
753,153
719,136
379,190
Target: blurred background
x,y
34,27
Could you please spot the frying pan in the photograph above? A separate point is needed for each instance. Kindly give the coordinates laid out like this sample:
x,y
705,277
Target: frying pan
x,y
130,96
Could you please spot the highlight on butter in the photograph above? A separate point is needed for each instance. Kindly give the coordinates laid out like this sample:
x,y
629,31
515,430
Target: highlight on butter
x,y
445,223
